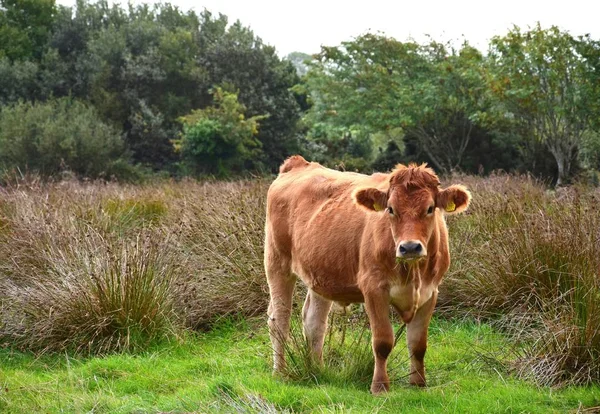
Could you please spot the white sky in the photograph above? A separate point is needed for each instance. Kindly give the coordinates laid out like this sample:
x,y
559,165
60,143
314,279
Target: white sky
x,y
304,25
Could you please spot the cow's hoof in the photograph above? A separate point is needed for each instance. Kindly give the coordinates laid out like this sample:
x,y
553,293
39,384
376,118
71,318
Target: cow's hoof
x,y
418,383
380,387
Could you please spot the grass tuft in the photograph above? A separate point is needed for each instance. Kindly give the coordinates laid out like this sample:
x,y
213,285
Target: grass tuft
x,y
347,352
529,259
116,298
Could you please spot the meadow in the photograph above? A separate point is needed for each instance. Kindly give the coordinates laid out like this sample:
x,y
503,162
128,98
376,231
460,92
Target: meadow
x,y
150,298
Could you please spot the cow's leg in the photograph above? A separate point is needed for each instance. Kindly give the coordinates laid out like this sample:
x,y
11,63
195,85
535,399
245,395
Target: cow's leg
x,y
281,289
378,309
314,318
416,337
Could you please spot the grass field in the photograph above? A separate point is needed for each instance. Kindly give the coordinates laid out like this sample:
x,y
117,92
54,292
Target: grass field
x,y
119,299
226,370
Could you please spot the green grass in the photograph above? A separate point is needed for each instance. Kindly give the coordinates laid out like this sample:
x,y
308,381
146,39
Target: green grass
x,y
228,370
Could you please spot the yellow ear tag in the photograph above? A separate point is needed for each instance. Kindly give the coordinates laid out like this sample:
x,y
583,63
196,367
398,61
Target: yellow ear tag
x,y
450,207
377,207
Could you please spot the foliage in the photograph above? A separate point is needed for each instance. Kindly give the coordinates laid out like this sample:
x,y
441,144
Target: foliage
x,y
589,153
370,102
24,27
143,67
235,56
547,80
17,79
59,135
219,139
430,93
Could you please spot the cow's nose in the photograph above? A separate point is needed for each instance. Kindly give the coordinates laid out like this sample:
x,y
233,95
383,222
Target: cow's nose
x,y
410,249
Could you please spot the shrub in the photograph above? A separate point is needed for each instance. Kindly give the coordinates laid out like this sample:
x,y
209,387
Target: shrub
x,y
60,135
219,139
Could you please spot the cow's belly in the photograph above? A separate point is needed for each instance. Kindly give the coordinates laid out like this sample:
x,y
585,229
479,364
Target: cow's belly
x,y
329,282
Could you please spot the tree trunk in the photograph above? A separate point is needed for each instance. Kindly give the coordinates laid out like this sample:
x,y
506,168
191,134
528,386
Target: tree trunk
x,y
563,162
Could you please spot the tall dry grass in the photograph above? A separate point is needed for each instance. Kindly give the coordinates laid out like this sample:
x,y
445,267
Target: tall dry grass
x,y
98,267
220,232
528,259
103,267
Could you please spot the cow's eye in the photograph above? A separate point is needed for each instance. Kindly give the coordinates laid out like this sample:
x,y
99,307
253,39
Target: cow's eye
x,y
430,210
390,210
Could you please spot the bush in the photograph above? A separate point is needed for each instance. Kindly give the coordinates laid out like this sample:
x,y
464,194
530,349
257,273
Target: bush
x,y
219,139
60,135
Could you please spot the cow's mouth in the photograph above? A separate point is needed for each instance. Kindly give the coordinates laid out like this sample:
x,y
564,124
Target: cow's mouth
x,y
409,259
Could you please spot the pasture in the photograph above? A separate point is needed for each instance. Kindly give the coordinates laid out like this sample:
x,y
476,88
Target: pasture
x,y
152,298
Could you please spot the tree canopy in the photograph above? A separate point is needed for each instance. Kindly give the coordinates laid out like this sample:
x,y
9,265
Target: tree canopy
x,y
193,93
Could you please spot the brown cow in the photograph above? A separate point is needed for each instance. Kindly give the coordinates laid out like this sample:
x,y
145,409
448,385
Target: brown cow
x,y
378,239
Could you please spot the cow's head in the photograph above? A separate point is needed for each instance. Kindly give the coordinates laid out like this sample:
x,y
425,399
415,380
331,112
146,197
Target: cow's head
x,y
412,202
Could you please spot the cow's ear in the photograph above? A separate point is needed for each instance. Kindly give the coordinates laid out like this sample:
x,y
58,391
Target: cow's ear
x,y
454,199
371,199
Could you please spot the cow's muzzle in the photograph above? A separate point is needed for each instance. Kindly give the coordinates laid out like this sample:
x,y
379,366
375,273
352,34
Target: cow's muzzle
x,y
411,250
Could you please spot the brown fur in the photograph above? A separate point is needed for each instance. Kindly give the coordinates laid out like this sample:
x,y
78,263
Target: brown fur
x,y
315,231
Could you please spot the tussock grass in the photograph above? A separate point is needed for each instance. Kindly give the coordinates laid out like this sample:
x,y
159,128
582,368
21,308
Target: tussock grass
x,y
529,259
102,267
67,284
221,235
99,267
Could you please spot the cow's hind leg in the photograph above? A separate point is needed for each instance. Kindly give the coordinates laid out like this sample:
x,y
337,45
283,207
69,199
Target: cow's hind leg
x,y
314,317
416,337
281,289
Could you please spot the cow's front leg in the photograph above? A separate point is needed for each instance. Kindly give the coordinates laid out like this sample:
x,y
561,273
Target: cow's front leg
x,y
416,337
378,309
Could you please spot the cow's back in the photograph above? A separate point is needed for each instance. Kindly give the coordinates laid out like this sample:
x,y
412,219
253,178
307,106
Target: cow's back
x,y
311,218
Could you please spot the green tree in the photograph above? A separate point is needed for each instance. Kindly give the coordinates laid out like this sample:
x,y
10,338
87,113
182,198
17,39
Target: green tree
x,y
219,139
144,66
234,55
377,85
18,80
547,81
24,27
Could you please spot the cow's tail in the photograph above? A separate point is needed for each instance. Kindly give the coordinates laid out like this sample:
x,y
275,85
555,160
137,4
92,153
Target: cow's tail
x,y
293,162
